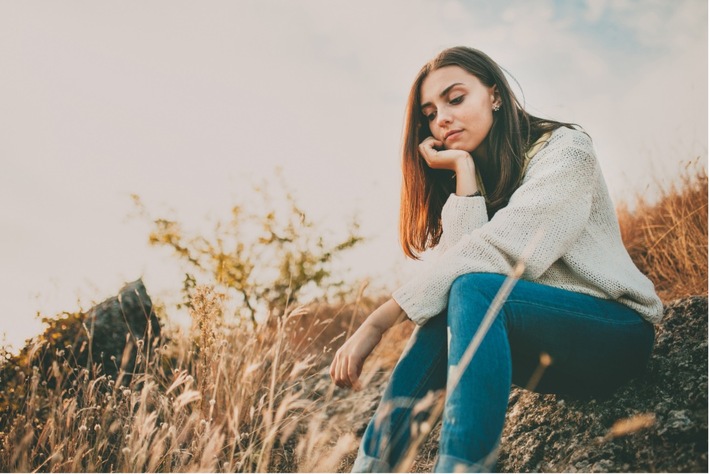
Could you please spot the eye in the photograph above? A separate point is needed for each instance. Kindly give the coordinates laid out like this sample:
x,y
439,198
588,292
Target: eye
x,y
430,116
456,100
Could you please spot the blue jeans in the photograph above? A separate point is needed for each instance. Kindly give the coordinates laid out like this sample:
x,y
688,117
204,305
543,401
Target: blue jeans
x,y
595,345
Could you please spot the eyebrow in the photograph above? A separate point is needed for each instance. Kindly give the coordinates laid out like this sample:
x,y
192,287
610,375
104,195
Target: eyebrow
x,y
443,93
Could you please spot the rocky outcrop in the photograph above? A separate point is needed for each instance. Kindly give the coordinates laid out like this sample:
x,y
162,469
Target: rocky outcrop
x,y
108,334
657,422
119,325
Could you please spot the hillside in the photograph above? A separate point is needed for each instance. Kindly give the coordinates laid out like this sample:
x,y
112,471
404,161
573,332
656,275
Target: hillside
x,y
109,390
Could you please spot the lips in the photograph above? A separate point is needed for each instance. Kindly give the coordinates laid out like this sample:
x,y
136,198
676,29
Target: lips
x,y
452,133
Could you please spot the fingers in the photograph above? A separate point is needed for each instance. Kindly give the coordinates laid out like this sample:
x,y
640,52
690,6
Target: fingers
x,y
428,150
333,371
345,372
427,147
354,374
431,142
344,379
336,370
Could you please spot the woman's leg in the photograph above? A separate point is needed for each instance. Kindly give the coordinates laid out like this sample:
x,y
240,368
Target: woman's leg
x,y
474,411
420,370
595,344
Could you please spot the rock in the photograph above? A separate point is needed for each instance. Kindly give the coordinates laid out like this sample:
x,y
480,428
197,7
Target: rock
x,y
671,396
666,409
127,318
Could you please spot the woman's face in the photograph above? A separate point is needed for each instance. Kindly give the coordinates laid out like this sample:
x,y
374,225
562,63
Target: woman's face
x,y
458,108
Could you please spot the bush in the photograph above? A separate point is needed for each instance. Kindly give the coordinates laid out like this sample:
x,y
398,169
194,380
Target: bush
x,y
264,257
668,239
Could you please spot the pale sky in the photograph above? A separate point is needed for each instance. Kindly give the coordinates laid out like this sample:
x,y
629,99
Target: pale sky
x,y
188,103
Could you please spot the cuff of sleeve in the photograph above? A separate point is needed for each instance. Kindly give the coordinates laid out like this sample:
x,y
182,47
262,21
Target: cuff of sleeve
x,y
462,214
407,301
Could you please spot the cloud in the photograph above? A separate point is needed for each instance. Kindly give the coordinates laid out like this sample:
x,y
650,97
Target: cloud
x,y
669,26
595,10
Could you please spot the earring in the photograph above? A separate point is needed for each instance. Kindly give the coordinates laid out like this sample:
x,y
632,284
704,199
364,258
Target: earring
x,y
496,107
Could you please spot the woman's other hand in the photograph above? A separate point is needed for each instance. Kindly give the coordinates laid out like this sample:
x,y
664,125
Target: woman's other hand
x,y
347,364
349,359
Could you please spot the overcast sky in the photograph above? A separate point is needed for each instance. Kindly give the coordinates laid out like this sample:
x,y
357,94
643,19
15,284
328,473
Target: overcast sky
x,y
187,103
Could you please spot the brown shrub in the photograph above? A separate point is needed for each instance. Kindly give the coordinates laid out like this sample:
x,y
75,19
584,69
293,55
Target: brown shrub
x,y
668,239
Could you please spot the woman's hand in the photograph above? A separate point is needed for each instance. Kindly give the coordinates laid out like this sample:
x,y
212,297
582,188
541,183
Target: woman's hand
x,y
348,361
347,364
452,160
458,161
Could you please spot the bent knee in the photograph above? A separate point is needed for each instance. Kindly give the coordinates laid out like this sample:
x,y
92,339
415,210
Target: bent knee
x,y
466,285
470,299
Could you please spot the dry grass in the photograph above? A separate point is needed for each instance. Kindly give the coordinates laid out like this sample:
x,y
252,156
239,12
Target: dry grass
x,y
668,239
221,398
228,398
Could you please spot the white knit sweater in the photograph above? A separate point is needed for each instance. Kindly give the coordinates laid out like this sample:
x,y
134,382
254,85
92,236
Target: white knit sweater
x,y
564,197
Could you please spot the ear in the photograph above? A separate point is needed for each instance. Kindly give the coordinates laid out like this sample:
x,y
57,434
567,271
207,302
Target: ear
x,y
495,96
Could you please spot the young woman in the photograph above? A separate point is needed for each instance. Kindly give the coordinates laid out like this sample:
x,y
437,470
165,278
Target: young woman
x,y
491,186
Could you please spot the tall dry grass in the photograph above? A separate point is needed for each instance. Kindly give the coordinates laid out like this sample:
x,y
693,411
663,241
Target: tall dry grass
x,y
668,238
227,398
219,398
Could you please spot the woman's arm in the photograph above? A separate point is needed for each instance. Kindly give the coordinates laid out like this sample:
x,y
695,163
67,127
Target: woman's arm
x,y
348,361
461,216
466,177
554,200
461,213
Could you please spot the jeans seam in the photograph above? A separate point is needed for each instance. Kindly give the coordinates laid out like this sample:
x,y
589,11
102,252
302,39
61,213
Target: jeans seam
x,y
576,313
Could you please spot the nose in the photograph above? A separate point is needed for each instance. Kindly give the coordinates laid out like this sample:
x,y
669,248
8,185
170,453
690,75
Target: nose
x,y
443,118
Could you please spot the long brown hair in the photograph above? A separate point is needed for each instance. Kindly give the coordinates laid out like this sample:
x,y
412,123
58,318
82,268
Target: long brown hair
x,y
425,190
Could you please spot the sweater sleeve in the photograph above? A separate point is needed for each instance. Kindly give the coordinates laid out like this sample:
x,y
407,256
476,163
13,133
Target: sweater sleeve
x,y
554,199
460,216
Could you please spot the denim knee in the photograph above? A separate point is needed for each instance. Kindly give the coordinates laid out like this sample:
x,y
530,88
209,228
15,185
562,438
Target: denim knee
x,y
468,284
470,298
468,281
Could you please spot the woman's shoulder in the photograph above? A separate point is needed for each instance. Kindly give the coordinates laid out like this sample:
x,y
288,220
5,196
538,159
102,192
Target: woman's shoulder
x,y
567,149
575,137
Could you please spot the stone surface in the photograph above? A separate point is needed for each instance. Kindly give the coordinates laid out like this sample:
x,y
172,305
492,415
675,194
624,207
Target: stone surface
x,y
548,433
672,396
123,319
